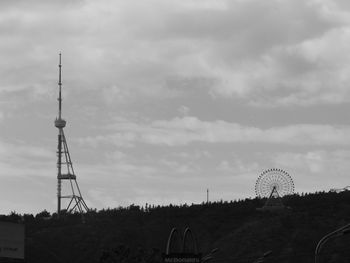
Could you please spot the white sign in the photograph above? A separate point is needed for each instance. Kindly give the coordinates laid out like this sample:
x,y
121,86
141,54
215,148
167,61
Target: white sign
x,y
11,240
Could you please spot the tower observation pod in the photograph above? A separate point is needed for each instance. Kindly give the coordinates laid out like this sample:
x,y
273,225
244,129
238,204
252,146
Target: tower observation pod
x,y
71,199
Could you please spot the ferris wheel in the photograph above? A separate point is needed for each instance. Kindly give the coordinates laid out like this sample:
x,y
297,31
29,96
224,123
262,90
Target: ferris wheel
x,y
274,183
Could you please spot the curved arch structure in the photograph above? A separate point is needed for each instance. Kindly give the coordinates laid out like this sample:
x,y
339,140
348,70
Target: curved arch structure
x,y
184,246
173,234
188,234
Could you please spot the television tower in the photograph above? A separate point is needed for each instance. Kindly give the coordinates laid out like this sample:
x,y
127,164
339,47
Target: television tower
x,y
65,171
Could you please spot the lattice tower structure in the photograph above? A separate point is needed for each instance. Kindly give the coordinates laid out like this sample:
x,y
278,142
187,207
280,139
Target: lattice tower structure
x,y
66,178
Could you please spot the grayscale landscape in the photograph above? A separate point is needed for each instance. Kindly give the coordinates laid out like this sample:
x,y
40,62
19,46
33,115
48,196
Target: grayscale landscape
x,y
171,109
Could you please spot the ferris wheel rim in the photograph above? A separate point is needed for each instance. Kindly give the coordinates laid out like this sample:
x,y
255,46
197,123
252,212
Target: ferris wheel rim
x,y
274,178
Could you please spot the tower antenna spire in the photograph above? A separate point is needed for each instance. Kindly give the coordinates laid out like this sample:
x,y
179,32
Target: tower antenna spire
x,y
60,89
64,162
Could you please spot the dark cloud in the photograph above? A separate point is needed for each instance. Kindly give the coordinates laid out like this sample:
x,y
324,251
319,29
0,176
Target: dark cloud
x,y
140,46
246,26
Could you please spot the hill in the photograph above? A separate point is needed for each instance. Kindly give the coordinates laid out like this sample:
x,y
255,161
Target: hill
x,y
236,228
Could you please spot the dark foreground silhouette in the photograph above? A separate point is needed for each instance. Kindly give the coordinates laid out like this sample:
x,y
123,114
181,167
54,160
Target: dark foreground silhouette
x,y
236,228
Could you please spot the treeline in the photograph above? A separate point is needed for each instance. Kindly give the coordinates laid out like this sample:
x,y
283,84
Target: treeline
x,y
240,232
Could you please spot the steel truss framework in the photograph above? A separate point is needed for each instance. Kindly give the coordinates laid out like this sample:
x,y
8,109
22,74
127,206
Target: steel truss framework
x,y
75,201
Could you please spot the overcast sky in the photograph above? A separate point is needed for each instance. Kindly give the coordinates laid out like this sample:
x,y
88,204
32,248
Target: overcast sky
x,y
164,99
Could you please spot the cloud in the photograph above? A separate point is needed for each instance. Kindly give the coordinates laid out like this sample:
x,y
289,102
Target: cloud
x,y
24,151
18,159
268,53
315,170
137,181
238,167
188,129
264,63
183,110
99,197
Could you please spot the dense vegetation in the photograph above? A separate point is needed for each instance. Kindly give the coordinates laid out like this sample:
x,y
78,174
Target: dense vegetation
x,y
242,234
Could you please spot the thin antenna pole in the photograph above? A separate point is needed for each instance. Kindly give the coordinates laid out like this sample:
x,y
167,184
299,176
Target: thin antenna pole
x,y
207,196
60,89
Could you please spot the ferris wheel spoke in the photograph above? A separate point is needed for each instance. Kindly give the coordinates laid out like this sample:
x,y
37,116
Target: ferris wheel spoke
x,y
274,180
